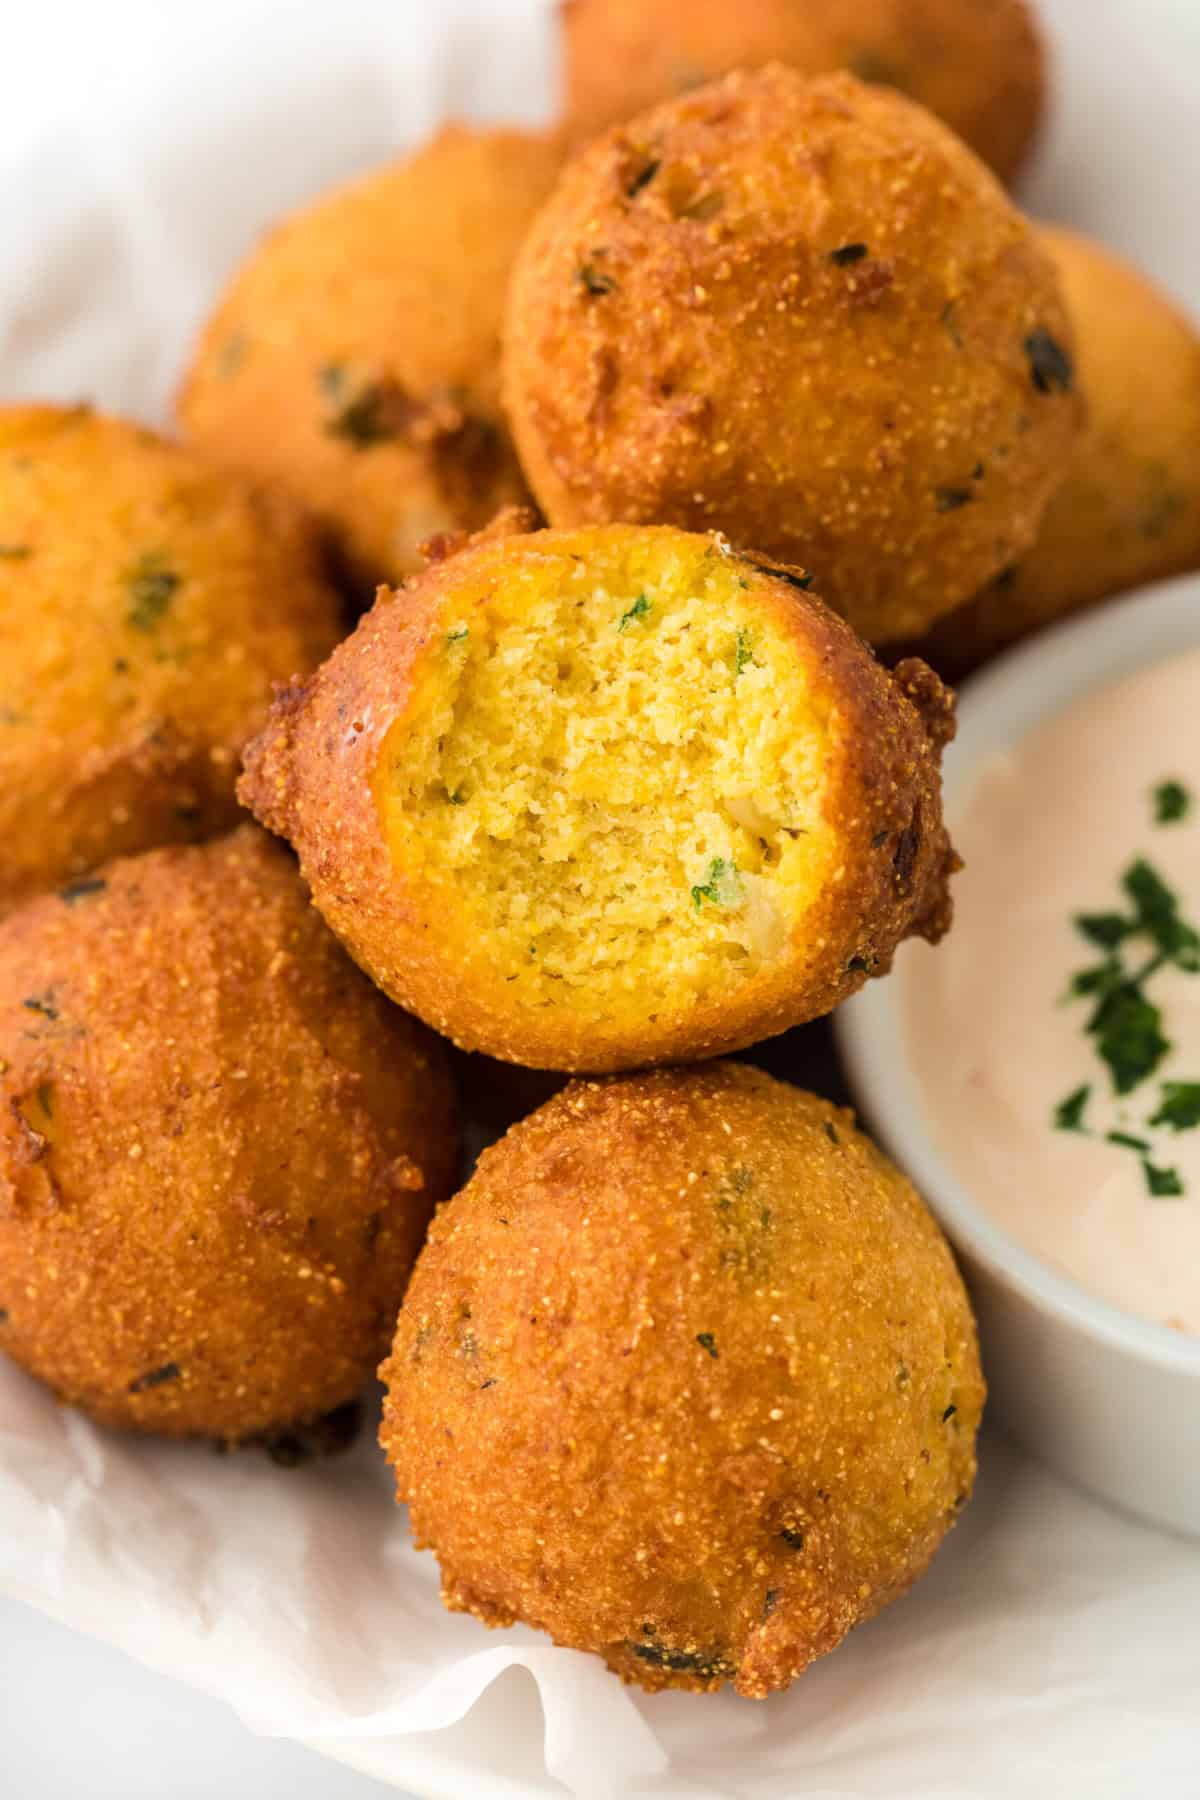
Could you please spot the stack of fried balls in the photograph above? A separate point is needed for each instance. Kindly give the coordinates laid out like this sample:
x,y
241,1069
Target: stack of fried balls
x,y
683,444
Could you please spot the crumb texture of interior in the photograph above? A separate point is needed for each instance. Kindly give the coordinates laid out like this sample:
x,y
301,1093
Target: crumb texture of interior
x,y
613,776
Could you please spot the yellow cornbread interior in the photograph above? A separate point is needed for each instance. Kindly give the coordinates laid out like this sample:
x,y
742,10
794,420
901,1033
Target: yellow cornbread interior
x,y
613,774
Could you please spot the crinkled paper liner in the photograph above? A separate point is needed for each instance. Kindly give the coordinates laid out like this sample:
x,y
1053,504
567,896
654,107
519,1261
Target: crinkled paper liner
x,y
1055,1648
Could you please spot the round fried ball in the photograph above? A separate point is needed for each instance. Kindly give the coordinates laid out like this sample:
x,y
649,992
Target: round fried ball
x,y
803,313
685,1376
219,1146
1128,511
147,605
978,64
594,799
354,361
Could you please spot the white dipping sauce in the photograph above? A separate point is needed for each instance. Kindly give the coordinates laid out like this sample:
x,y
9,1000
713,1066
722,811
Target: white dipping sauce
x,y
1048,831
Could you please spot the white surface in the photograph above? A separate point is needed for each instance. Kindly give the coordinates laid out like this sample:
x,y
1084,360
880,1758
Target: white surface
x,y
77,1718
1108,1399
1055,1648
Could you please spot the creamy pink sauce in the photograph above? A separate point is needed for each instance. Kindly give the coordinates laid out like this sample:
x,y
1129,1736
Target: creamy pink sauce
x,y
1047,830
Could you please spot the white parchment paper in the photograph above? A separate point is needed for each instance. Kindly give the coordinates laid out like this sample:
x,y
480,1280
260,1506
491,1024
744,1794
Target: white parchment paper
x,y
1055,1648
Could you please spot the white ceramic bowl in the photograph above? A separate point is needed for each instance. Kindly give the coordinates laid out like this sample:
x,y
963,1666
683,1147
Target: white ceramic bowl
x,y
1109,1400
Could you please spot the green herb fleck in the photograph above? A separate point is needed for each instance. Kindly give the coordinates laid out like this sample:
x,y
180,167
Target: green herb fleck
x,y
1050,366
231,355
949,499
1180,1106
594,282
80,890
458,634
831,1132
949,317
643,178
1128,1032
362,412
150,585
1126,1141
848,253
457,798
638,610
1172,802
948,1414
743,655
692,1662
903,1375
793,1537
708,1342
1158,916
723,887
1068,1114
1162,1184
153,1378
41,1003
1101,978
1105,929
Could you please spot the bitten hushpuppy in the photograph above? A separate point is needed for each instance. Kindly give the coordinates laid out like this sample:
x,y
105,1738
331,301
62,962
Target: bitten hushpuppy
x,y
595,799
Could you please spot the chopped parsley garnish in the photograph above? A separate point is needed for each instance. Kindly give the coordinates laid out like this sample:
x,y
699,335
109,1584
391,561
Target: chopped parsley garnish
x,y
1106,929
638,610
723,887
1125,1024
1172,802
1128,1032
458,634
1180,1106
1068,1114
743,657
708,1342
42,1004
151,585
1050,366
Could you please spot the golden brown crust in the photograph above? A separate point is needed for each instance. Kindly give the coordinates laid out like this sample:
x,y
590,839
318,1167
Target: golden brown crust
x,y
219,1146
980,65
1128,511
354,360
147,604
311,777
685,1376
804,314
